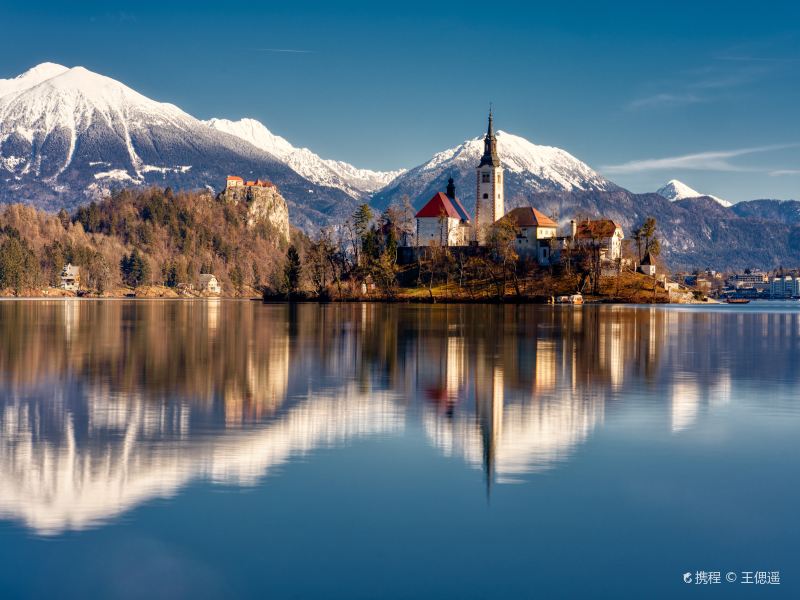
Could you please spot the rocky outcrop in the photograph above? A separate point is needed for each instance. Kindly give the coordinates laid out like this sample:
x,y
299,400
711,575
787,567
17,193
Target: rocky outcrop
x,y
265,205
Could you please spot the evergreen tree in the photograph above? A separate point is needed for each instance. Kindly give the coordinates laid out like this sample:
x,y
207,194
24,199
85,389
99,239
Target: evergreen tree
x,y
134,268
18,265
292,271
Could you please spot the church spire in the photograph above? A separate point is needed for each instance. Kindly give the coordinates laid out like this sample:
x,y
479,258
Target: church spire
x,y
451,189
490,145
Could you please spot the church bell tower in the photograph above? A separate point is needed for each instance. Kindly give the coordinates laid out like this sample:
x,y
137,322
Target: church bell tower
x,y
489,205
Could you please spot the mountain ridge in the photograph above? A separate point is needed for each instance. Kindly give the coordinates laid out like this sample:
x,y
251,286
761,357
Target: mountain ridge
x,y
675,190
68,135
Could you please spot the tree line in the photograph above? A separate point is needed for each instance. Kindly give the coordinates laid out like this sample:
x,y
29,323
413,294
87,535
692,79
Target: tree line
x,y
362,254
138,237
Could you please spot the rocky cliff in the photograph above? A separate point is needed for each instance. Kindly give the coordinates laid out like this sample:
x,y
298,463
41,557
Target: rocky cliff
x,y
265,206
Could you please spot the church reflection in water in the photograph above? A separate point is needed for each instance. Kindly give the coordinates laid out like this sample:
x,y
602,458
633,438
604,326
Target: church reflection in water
x,y
107,404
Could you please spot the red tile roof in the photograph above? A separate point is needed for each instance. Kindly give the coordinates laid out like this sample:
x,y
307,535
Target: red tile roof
x,y
603,228
527,216
234,178
441,205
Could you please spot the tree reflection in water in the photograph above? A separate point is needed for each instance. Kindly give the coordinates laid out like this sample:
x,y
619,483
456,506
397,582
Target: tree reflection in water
x,y
107,404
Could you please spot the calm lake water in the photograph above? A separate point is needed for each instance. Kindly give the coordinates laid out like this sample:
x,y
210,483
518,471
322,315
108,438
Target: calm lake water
x,y
223,449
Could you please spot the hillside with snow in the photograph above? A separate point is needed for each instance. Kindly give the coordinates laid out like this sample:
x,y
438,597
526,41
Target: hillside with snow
x,y
68,135
332,173
675,190
529,169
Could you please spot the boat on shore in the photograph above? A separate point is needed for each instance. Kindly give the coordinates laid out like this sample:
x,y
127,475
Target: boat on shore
x,y
738,301
571,299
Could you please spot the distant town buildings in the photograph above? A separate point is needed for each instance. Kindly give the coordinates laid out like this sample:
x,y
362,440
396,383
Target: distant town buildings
x,y
747,279
70,278
785,287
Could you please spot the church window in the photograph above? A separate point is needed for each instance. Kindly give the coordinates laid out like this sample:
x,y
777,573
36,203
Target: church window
x,y
485,178
486,196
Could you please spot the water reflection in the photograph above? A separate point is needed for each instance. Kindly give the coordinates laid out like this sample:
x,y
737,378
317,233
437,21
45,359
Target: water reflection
x,y
105,405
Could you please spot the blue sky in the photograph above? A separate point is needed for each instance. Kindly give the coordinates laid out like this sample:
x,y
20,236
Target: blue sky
x,y
644,92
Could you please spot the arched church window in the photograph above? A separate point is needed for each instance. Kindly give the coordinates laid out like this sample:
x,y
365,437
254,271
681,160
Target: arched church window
x,y
486,196
485,178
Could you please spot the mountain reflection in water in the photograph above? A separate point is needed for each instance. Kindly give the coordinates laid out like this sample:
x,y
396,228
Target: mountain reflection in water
x,y
105,405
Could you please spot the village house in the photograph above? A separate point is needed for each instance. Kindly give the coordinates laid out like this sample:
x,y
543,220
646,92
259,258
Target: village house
x,y
443,221
70,278
536,234
648,265
208,283
604,233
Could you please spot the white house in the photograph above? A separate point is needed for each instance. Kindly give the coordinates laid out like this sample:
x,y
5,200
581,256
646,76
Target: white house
x,y
648,265
443,220
536,233
71,278
605,233
208,283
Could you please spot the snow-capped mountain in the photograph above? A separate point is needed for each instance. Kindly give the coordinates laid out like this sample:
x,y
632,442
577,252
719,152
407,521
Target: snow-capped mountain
x,y
529,169
68,134
332,173
677,190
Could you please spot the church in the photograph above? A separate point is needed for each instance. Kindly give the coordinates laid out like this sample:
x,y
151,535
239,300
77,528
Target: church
x,y
443,221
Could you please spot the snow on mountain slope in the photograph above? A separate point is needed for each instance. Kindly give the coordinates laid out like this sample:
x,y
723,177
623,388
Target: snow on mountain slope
x,y
68,135
677,190
530,169
51,106
333,173
31,77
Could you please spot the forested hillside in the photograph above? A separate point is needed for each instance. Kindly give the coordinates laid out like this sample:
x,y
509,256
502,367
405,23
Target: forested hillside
x,y
140,237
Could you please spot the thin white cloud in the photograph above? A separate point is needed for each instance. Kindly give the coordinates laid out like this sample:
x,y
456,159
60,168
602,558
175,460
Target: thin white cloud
x,y
779,172
284,50
701,161
665,100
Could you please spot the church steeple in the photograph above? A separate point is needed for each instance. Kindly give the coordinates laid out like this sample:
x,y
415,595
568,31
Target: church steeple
x,y
489,205
451,189
490,145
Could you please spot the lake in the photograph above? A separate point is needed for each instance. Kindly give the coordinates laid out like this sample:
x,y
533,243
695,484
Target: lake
x,y
226,449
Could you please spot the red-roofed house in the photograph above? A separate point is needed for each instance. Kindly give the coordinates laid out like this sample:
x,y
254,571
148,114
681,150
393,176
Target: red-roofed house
x,y
443,221
536,233
603,232
234,181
